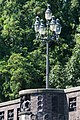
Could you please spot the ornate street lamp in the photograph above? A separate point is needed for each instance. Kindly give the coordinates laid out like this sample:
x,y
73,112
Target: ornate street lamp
x,y
48,32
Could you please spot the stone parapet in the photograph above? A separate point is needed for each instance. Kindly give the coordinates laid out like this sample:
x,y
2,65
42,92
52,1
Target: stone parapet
x,y
47,104
31,91
43,104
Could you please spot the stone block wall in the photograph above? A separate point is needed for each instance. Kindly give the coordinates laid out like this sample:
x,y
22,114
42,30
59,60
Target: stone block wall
x,y
56,104
43,104
46,104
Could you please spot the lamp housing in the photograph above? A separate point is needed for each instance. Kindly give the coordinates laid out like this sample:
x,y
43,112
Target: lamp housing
x,y
37,24
42,28
53,24
48,13
58,27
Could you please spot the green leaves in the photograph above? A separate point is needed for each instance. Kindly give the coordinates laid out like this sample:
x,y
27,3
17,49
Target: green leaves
x,y
23,60
73,67
21,73
57,76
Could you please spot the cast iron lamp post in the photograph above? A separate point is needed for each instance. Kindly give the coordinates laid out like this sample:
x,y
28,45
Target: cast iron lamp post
x,y
48,32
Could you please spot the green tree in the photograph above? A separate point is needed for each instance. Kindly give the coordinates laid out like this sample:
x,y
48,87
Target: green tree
x,y
21,73
18,72
3,77
22,59
73,68
73,65
57,76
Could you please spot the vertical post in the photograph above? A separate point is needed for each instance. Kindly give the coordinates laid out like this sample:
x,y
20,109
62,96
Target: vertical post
x,y
47,64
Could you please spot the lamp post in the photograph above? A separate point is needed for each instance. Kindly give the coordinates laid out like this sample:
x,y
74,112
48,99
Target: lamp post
x,y
48,32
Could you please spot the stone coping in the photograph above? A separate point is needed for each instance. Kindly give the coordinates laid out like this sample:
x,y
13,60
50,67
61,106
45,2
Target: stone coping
x,y
12,102
32,91
42,90
73,89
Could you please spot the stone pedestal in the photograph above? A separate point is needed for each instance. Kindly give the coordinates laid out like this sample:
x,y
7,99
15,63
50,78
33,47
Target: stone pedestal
x,y
46,104
43,104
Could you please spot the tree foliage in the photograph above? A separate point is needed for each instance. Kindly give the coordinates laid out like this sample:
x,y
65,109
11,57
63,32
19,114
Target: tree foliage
x,y
73,67
22,58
